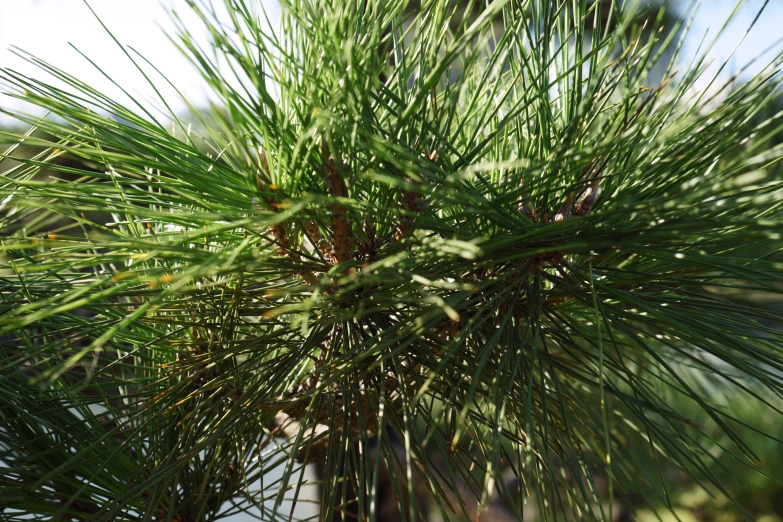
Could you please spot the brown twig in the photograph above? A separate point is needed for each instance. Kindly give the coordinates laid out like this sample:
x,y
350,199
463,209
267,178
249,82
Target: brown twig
x,y
319,242
277,230
411,202
335,185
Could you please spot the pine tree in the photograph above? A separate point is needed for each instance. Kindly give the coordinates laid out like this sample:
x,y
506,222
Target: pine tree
x,y
454,268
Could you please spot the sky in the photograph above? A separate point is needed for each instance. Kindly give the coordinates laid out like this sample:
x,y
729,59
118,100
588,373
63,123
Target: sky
x,y
49,29
53,29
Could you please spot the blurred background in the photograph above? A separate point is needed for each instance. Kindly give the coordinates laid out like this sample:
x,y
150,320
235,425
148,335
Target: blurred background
x,y
58,30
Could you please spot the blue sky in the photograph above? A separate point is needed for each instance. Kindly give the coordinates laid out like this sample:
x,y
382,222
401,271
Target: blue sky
x,y
47,27
766,32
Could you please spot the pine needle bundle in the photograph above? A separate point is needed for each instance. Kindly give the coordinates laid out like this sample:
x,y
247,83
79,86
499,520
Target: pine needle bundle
x,y
427,251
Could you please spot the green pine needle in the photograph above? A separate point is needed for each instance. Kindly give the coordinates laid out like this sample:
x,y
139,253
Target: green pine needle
x,y
428,250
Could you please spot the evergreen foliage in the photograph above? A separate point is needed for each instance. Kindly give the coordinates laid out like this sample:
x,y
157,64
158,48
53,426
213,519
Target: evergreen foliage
x,y
407,249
